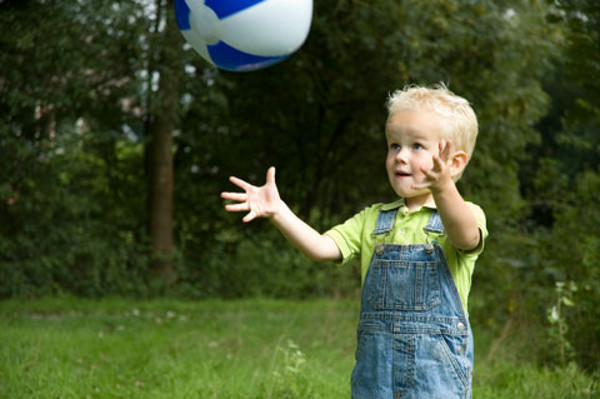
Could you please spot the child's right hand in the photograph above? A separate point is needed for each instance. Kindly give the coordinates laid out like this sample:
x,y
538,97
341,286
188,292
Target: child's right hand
x,y
265,202
257,201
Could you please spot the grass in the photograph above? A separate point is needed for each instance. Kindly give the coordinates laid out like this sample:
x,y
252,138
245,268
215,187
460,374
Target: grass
x,y
116,348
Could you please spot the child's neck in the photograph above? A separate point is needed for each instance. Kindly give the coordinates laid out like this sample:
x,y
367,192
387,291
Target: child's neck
x,y
416,203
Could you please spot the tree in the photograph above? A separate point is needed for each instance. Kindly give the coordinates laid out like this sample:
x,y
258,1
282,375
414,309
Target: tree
x,y
161,121
73,70
63,83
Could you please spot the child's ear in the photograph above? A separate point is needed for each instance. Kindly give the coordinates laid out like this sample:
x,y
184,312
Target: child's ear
x,y
458,162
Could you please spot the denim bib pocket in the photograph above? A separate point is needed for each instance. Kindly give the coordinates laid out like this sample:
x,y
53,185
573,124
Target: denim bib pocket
x,y
404,285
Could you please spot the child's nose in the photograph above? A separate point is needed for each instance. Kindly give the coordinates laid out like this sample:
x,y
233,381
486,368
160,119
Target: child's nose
x,y
402,156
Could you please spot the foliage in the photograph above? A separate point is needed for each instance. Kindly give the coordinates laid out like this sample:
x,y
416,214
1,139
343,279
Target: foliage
x,y
572,255
71,218
291,382
264,266
556,317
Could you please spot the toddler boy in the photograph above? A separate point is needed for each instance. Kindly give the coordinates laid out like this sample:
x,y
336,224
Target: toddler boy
x,y
417,253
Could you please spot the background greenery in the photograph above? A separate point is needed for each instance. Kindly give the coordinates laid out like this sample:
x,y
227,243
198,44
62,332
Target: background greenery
x,y
79,79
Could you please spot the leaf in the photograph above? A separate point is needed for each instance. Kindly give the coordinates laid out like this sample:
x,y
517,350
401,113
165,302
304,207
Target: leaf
x,y
567,302
553,316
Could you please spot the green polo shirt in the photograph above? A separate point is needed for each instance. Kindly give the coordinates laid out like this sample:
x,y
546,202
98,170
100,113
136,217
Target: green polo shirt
x,y
354,238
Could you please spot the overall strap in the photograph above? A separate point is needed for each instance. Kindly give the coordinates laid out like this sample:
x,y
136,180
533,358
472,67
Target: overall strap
x,y
435,224
385,222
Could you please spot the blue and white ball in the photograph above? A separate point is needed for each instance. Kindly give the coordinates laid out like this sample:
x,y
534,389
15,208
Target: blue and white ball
x,y
244,35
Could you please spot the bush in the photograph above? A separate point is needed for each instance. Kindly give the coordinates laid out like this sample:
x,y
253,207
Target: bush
x,y
68,218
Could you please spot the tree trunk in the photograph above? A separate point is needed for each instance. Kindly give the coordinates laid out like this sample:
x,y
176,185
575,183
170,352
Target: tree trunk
x,y
159,153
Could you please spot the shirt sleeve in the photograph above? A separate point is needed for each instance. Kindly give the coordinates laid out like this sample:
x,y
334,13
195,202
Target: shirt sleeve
x,y
481,224
347,236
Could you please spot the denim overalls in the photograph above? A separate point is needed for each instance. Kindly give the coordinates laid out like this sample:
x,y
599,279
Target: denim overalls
x,y
414,338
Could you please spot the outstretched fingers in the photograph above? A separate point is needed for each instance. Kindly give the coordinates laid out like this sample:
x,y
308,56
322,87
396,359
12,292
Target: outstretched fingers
x,y
271,176
438,166
445,150
257,201
242,204
249,217
240,183
242,207
240,197
430,175
440,163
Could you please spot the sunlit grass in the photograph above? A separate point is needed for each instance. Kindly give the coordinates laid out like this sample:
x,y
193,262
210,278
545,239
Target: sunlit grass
x,y
173,349
71,348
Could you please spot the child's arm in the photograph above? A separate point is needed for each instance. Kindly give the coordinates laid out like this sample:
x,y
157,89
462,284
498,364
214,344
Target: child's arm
x,y
459,221
265,202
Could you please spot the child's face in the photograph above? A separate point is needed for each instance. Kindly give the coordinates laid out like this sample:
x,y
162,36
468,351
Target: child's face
x,y
413,138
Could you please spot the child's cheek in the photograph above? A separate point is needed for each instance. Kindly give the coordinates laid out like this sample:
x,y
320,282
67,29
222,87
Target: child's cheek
x,y
427,161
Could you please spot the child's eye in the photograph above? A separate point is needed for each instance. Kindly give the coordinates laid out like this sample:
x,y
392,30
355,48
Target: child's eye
x,y
417,146
394,146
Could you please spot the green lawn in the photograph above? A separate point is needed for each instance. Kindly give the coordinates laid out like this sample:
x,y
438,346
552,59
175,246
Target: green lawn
x,y
72,348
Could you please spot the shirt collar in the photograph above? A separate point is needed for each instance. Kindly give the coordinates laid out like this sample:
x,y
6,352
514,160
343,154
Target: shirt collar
x,y
401,203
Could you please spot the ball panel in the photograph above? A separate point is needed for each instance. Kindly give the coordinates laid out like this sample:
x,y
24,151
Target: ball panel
x,y
206,24
271,28
182,14
231,59
224,9
197,43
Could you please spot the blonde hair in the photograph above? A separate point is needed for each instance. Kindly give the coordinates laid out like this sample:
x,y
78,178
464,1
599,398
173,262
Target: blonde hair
x,y
458,120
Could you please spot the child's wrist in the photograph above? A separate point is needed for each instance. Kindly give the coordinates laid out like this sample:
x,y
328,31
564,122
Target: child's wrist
x,y
279,211
443,187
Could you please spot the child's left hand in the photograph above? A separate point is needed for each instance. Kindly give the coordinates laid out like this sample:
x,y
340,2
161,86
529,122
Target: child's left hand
x,y
439,176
